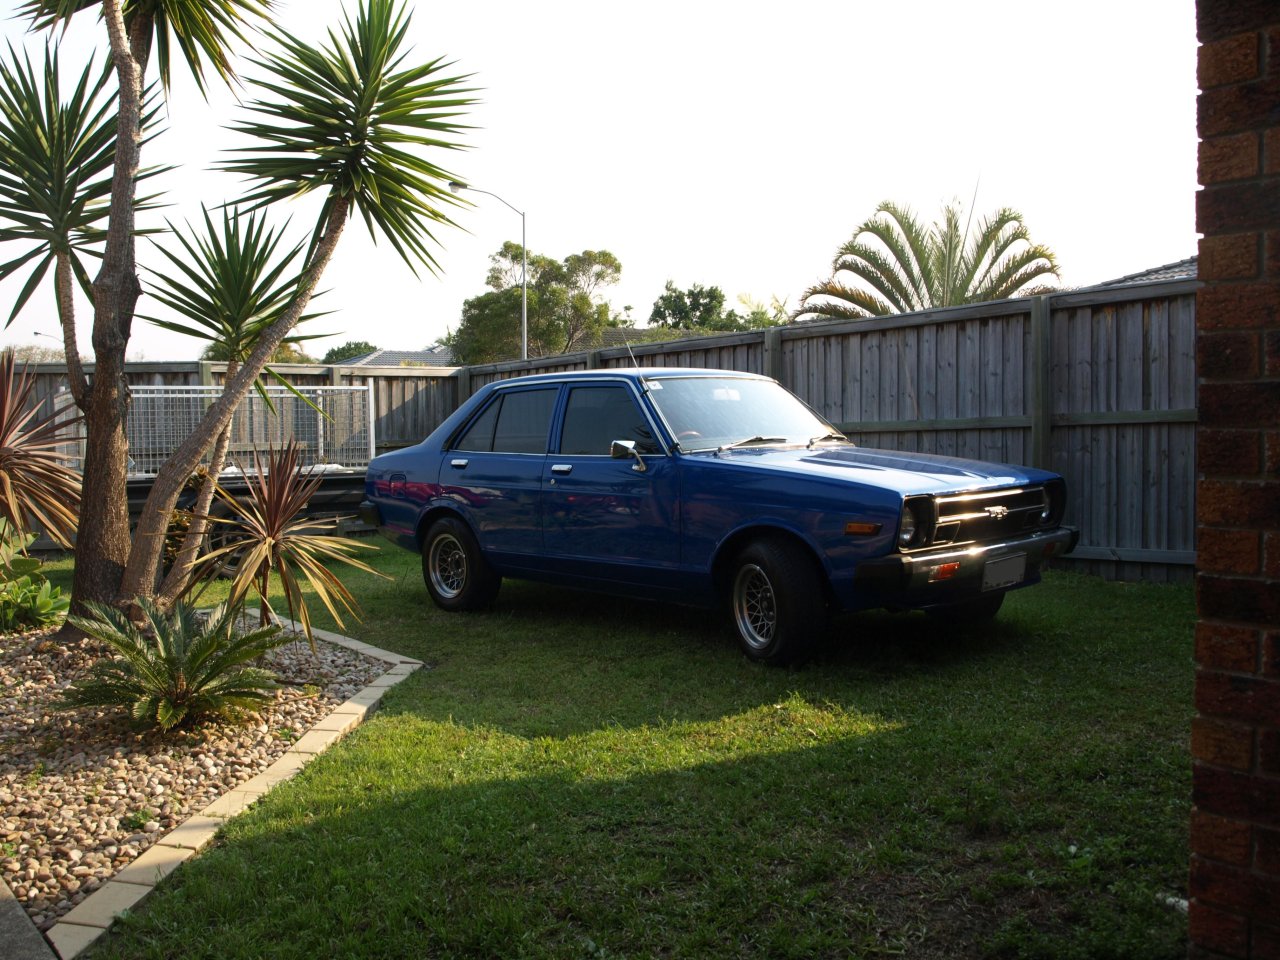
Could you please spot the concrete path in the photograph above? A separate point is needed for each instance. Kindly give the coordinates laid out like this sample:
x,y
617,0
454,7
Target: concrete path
x,y
19,936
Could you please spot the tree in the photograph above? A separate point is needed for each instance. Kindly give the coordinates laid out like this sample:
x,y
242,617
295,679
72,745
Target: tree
x,y
702,309
348,351
347,118
908,266
565,309
698,308
201,29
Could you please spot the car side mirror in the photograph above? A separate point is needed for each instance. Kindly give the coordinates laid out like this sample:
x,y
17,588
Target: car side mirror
x,y
625,449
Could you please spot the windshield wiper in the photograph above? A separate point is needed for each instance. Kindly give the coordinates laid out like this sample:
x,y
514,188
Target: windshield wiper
x,y
827,436
752,440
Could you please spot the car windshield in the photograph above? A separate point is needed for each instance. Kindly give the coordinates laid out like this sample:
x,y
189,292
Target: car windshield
x,y
711,412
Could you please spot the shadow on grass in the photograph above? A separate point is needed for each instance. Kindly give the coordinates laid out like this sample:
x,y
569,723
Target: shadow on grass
x,y
455,844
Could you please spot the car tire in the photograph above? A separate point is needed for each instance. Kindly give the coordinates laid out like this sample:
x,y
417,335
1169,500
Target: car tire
x,y
777,601
969,613
457,575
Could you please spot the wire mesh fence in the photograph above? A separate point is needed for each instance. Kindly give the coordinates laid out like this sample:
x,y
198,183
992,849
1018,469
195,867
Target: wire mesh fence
x,y
332,425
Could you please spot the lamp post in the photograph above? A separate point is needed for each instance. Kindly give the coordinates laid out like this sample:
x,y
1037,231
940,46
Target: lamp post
x,y
457,187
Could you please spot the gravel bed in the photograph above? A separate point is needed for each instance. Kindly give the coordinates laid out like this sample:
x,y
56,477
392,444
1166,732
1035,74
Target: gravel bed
x,y
83,792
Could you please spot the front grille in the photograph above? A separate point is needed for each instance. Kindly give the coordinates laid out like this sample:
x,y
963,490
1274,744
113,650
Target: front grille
x,y
990,515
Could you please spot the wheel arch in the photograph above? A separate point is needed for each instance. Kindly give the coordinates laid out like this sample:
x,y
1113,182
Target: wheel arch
x,y
736,542
431,515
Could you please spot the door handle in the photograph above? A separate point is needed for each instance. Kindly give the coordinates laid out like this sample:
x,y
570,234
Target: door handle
x,y
562,468
459,464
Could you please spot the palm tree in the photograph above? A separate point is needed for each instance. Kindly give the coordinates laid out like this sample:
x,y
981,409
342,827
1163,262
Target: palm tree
x,y
350,119
202,30
909,267
55,178
230,284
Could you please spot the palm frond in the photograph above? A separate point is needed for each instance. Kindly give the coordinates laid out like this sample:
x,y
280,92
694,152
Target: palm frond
x,y
349,119
56,159
201,29
38,490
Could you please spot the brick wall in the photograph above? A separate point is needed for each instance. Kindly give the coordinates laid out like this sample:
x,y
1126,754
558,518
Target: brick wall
x,y
1235,737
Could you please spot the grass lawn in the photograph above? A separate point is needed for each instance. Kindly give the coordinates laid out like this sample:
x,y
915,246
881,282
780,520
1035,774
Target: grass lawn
x,y
578,776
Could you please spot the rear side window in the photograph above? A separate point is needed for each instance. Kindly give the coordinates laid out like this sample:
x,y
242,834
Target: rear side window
x,y
597,416
515,422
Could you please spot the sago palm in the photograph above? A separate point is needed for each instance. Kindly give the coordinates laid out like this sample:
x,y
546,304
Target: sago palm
x,y
175,666
353,119
895,264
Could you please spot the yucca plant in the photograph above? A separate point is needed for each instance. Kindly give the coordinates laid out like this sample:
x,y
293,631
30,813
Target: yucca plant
x,y
175,666
232,283
38,490
267,534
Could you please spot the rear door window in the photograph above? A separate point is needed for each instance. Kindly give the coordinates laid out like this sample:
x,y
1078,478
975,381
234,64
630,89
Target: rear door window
x,y
515,422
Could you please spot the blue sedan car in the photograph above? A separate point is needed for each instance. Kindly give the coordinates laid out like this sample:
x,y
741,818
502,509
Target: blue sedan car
x,y
706,487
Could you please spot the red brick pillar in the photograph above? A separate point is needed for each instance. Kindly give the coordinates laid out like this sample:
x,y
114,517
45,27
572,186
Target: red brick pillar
x,y
1235,737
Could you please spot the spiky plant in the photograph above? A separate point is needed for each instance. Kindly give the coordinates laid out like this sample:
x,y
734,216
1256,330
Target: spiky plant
x,y
266,533
896,264
38,491
176,666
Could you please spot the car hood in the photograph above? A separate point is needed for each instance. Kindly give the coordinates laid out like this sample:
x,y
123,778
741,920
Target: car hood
x,y
903,472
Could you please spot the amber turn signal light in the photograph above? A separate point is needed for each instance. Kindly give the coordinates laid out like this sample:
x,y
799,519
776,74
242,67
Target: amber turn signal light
x,y
856,529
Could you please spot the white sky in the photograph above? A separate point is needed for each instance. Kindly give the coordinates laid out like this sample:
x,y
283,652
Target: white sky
x,y
739,144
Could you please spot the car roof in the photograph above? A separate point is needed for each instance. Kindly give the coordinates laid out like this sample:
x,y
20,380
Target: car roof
x,y
634,374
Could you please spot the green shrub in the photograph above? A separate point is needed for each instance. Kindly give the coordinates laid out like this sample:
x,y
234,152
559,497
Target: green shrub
x,y
176,666
26,598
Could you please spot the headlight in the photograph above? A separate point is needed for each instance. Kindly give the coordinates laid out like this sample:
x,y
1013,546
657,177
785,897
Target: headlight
x,y
907,533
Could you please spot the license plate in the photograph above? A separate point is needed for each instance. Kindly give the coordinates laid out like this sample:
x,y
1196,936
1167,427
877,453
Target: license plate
x,y
1004,572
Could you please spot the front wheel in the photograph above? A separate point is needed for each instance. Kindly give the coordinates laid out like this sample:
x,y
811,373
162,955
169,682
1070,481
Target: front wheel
x,y
777,601
457,575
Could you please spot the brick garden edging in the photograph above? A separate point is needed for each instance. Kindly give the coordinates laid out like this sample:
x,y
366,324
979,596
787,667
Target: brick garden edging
x,y
80,927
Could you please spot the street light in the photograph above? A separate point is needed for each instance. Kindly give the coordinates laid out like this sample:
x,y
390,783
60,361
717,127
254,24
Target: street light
x,y
457,187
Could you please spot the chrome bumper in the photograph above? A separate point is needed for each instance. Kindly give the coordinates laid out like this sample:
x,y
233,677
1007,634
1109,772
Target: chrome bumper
x,y
949,575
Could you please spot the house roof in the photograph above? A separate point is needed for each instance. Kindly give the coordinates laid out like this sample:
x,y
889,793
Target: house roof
x,y
1180,270
436,356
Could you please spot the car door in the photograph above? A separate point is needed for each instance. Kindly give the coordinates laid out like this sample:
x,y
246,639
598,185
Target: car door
x,y
493,472
604,519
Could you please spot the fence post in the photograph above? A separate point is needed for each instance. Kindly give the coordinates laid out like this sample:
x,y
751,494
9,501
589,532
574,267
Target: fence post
x,y
206,373
772,350
464,384
1041,387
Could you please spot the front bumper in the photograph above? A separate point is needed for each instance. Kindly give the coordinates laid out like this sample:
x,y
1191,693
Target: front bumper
x,y
951,575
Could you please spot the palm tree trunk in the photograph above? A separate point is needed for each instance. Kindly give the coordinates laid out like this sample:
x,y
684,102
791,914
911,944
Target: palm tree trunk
x,y
175,581
64,288
148,542
102,544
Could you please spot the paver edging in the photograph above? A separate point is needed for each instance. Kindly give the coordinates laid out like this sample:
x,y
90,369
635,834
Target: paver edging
x,y
68,937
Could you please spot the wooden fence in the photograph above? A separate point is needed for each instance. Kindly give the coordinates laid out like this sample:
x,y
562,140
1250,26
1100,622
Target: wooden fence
x,y
1098,385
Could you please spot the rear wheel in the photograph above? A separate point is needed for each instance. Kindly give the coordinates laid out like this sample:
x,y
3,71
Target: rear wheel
x,y
457,575
777,601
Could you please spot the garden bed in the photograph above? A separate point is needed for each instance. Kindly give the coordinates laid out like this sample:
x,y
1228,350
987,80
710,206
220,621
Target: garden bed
x,y
84,792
